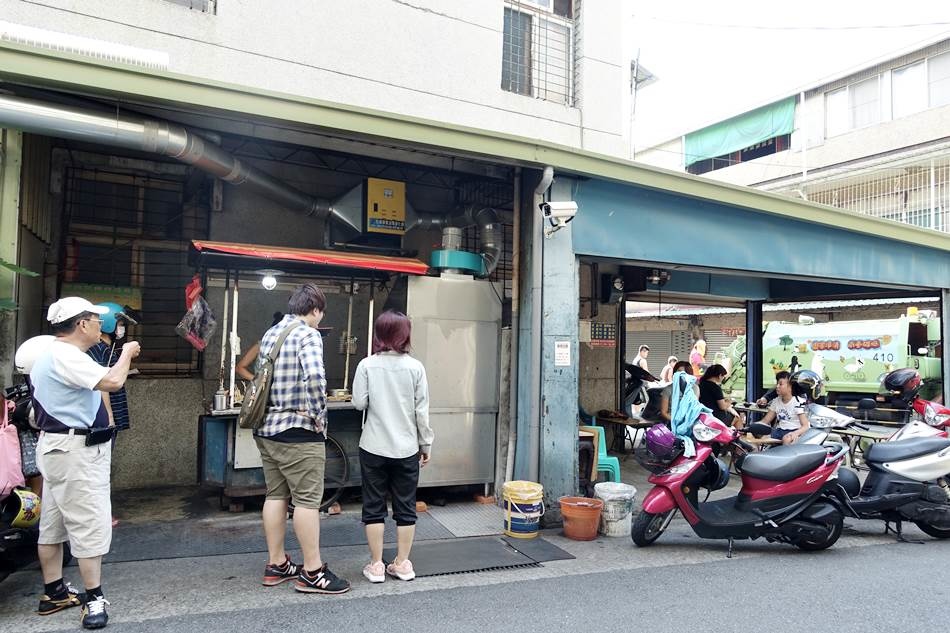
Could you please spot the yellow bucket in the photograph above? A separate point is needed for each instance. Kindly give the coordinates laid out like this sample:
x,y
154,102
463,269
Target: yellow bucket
x,y
523,508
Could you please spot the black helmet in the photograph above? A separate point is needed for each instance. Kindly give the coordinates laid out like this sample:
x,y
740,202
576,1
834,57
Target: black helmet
x,y
902,382
807,383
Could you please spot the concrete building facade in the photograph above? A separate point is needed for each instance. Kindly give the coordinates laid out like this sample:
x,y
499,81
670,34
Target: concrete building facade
x,y
522,67
873,140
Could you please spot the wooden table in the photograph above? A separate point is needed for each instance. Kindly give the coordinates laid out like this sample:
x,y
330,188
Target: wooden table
x,y
853,438
622,431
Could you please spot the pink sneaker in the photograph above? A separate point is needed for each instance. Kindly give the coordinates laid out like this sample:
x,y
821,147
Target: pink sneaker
x,y
402,571
375,572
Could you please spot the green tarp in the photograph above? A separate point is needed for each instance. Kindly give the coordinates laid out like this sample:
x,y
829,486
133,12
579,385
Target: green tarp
x,y
741,131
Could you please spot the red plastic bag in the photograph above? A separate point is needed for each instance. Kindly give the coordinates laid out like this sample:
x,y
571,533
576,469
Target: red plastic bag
x,y
199,323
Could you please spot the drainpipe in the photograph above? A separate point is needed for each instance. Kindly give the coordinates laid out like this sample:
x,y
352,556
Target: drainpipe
x,y
537,256
515,319
159,137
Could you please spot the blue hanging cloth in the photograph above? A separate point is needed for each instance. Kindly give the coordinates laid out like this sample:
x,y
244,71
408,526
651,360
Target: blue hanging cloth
x,y
685,408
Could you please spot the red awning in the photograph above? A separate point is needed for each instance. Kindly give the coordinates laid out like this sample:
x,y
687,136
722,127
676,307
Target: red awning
x,y
276,254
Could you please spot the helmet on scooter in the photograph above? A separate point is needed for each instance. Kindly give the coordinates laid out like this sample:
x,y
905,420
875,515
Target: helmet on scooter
x,y
662,443
718,477
20,509
904,382
29,351
807,383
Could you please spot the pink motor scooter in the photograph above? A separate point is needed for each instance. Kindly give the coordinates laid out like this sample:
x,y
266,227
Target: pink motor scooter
x,y
787,492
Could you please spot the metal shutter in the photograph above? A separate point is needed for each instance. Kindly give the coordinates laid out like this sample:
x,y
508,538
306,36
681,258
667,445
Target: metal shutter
x,y
682,344
715,342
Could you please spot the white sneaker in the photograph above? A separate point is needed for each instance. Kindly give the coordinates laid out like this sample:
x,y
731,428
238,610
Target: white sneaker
x,y
375,572
402,571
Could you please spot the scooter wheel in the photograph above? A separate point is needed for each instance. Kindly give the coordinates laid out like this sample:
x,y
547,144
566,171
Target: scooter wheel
x,y
648,527
930,530
836,524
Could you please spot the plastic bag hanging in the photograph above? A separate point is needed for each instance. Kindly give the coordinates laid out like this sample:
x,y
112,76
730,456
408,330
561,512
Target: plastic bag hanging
x,y
199,323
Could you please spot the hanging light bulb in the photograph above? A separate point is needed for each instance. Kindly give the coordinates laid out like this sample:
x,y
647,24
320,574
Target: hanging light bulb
x,y
269,279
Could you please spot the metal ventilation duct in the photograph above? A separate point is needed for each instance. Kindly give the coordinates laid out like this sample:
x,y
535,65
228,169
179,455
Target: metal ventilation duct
x,y
160,137
490,234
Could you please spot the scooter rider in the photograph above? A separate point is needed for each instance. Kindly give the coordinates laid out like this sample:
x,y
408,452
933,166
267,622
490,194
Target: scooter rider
x,y
74,455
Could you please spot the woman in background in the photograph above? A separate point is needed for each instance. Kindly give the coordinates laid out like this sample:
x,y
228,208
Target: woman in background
x,y
396,442
697,357
710,394
246,367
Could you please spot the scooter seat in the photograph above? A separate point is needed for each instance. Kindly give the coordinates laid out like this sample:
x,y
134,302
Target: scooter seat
x,y
904,449
784,463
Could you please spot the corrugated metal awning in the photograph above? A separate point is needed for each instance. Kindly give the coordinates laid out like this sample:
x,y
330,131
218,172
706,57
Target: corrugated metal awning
x,y
253,256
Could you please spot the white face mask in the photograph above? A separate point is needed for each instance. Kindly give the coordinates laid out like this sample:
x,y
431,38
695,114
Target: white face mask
x,y
120,331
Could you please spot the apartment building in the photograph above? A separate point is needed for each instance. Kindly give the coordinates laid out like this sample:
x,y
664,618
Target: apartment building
x,y
873,140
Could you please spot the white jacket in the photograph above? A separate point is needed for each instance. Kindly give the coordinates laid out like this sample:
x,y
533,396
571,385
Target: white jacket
x,y
392,388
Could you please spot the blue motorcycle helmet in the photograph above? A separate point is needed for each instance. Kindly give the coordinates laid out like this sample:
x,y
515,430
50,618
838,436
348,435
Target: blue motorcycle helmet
x,y
110,319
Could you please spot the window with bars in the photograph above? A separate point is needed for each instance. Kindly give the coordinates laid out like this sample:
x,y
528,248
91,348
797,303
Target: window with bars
x,y
126,241
538,50
205,6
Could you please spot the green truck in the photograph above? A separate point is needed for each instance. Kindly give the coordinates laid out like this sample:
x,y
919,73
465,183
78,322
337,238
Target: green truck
x,y
851,356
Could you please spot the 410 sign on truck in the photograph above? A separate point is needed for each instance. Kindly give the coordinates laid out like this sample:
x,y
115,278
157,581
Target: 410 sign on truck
x,y
850,355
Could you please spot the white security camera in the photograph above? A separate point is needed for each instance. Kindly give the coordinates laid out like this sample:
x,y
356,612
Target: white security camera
x,y
558,213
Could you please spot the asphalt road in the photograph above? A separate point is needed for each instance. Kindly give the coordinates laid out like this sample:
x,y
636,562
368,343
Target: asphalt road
x,y
866,582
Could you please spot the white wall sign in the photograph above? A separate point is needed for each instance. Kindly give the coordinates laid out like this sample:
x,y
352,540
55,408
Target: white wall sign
x,y
562,353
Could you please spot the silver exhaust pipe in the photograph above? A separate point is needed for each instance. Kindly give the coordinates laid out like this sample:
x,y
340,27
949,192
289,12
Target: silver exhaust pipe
x,y
159,137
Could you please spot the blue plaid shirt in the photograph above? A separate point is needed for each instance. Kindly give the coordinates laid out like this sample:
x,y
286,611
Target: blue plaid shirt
x,y
299,387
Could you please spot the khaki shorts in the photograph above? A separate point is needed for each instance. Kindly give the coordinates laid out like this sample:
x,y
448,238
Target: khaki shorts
x,y
294,470
76,505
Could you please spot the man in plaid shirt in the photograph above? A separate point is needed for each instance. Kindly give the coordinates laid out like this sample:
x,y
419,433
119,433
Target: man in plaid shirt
x,y
291,442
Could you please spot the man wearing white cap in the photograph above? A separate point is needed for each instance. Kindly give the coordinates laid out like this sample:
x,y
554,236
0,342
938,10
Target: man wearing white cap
x,y
74,454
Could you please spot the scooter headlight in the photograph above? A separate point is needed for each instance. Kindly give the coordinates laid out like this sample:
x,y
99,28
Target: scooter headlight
x,y
704,433
933,418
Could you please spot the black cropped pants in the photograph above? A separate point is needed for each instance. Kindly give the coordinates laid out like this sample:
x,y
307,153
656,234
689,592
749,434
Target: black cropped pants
x,y
397,477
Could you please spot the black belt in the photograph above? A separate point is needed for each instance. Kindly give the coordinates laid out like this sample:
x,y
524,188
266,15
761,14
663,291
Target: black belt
x,y
69,432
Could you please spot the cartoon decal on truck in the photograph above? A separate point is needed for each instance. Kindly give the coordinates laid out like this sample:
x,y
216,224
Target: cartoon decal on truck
x,y
850,355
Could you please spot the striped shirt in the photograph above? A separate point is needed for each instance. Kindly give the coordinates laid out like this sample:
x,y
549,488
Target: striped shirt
x,y
298,389
107,356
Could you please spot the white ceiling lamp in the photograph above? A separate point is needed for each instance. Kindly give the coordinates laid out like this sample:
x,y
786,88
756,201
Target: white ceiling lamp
x,y
269,278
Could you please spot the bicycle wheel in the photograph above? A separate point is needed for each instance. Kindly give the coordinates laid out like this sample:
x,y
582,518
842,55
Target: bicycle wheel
x,y
335,473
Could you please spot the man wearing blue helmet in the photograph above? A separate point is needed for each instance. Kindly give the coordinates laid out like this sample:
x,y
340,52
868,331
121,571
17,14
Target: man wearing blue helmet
x,y
106,352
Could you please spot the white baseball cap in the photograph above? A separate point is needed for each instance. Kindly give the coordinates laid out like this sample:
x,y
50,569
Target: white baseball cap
x,y
68,307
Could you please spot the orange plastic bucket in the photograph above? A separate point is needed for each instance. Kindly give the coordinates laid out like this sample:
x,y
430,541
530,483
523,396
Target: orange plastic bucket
x,y
581,517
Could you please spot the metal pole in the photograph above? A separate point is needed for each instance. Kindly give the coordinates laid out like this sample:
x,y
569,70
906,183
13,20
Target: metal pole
x,y
515,324
349,329
224,329
235,348
369,324
753,349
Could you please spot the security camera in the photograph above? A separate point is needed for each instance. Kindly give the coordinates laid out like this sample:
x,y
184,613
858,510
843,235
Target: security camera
x,y
558,214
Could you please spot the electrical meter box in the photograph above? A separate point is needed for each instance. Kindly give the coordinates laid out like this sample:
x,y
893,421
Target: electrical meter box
x,y
385,207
